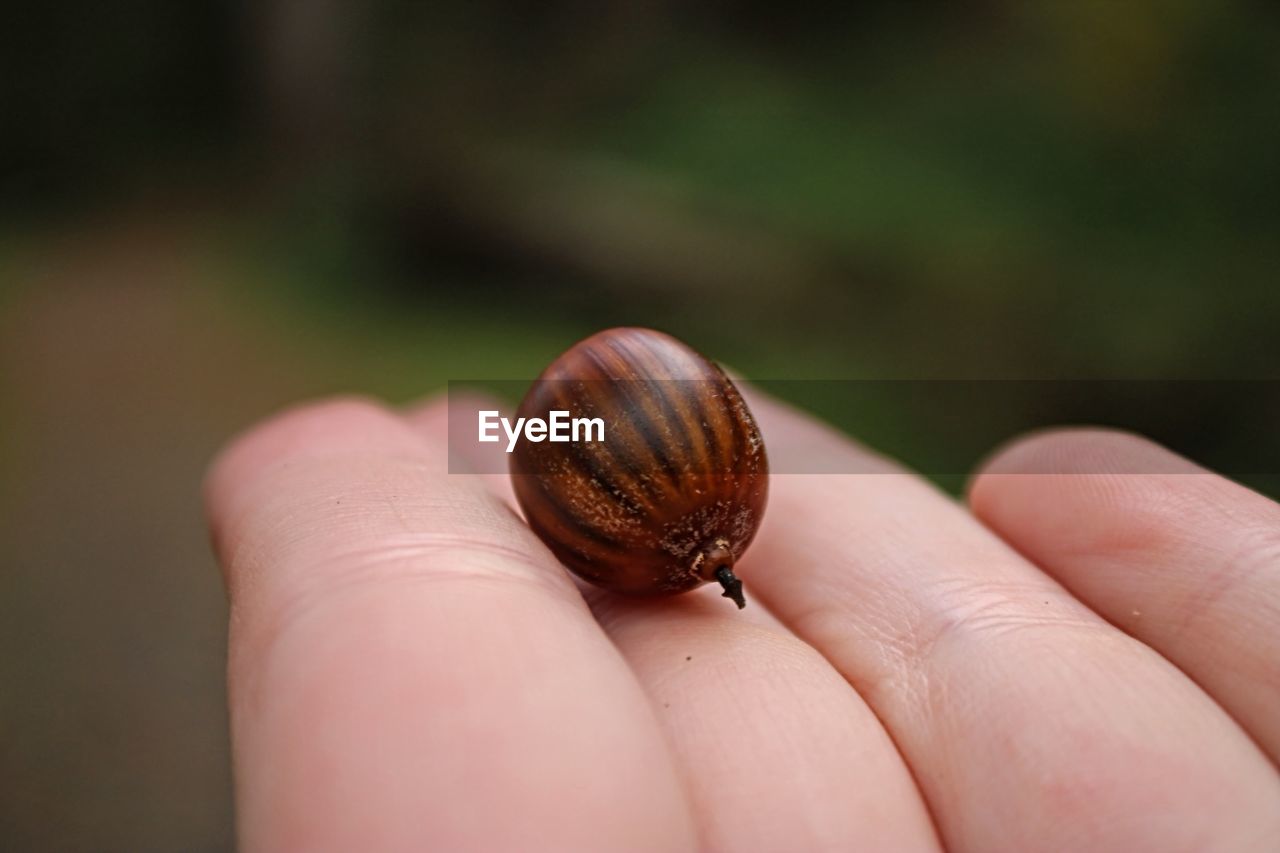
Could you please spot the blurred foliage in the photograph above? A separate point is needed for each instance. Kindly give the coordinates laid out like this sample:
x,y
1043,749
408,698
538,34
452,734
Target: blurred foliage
x,y
1007,189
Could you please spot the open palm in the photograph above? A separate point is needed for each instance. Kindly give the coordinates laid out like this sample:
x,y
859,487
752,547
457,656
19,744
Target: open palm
x,y
1078,660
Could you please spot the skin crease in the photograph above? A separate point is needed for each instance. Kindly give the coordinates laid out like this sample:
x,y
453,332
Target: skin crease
x,y
1183,560
410,669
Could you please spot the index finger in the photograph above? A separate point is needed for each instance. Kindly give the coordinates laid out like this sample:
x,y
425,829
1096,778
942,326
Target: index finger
x,y
409,668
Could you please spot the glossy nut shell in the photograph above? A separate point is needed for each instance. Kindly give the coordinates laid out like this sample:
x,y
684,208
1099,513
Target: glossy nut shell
x,y
675,492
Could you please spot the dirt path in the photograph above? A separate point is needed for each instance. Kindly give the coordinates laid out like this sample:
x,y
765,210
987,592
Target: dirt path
x,y
122,373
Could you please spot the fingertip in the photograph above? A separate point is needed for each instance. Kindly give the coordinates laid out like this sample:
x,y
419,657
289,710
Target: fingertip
x,y
1096,454
338,425
1086,490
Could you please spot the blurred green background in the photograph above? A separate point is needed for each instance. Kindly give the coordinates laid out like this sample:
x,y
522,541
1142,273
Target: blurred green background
x,y
208,210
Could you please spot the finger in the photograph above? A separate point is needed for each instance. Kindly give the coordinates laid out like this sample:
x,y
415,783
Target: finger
x,y
777,752
1184,560
1029,722
408,667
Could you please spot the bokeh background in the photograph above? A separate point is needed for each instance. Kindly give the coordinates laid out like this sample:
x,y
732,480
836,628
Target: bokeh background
x,y
209,210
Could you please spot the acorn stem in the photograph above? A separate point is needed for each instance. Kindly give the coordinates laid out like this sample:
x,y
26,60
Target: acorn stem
x,y
732,586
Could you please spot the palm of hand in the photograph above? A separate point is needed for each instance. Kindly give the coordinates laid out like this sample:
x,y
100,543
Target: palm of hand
x,y
1083,661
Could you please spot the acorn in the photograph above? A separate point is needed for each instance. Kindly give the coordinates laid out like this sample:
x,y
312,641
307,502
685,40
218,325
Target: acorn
x,y
672,492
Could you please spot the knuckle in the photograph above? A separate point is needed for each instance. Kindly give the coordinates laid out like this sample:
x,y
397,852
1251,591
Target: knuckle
x,y
985,613
413,566
365,524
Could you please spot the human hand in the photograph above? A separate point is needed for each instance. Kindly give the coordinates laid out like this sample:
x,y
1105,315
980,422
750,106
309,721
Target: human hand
x,y
1079,660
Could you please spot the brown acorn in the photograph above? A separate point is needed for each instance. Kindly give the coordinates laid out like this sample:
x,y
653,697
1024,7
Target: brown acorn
x,y
671,494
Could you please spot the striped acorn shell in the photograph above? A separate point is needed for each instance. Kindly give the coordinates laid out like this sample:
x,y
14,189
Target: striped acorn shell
x,y
676,490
